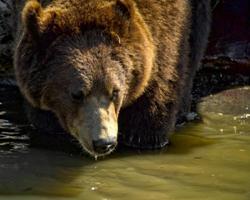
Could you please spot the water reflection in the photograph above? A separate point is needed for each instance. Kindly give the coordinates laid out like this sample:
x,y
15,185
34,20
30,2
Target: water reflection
x,y
13,137
207,159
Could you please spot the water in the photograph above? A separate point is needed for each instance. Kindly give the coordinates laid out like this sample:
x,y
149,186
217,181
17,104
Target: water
x,y
208,159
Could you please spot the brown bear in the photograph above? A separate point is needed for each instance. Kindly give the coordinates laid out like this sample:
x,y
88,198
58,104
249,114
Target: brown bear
x,y
105,67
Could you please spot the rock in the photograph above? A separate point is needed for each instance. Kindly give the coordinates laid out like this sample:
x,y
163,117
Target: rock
x,y
228,102
230,34
227,112
7,26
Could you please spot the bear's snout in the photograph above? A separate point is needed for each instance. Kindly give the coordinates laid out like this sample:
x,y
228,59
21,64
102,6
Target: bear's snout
x,y
96,126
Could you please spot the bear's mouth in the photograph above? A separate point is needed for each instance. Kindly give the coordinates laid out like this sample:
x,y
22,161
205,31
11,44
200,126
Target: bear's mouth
x,y
89,148
96,154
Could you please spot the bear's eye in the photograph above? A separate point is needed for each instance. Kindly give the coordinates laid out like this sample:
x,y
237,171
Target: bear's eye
x,y
77,95
115,95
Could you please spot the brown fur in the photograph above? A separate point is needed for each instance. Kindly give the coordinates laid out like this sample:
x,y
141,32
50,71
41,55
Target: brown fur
x,y
141,47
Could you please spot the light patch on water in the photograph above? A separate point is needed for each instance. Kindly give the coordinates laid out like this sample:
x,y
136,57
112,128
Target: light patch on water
x,y
94,188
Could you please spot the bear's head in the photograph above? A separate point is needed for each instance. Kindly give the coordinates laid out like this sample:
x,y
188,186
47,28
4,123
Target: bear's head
x,y
82,62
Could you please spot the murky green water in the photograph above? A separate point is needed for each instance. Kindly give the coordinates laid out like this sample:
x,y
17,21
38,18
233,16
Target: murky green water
x,y
207,160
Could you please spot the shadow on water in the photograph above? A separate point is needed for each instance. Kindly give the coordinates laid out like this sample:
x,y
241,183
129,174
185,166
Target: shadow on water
x,y
41,173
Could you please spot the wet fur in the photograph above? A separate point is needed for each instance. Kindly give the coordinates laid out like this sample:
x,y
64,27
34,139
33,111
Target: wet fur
x,y
160,45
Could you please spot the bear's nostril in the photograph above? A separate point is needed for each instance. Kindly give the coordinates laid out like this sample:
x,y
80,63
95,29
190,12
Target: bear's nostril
x,y
103,146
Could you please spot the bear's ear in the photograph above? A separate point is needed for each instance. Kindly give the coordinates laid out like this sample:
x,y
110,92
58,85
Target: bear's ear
x,y
30,17
123,14
124,8
35,19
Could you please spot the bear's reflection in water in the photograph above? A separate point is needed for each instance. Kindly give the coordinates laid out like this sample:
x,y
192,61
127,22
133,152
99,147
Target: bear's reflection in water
x,y
206,160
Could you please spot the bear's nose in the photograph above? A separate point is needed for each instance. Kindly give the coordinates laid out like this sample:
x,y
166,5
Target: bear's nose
x,y
103,146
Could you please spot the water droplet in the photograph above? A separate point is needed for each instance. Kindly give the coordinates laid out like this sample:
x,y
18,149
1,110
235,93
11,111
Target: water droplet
x,y
235,129
93,188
